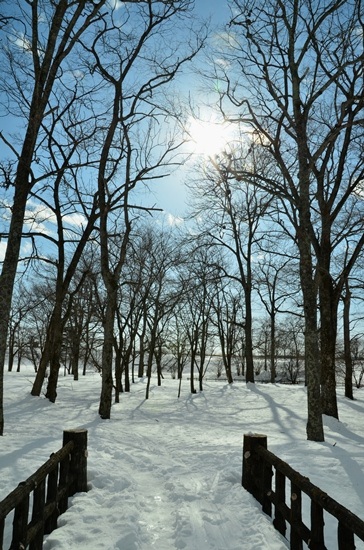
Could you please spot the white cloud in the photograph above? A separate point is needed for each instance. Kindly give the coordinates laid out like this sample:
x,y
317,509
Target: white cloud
x,y
116,4
36,216
23,43
76,219
174,221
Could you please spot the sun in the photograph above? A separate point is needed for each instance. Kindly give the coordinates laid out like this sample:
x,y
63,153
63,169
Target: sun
x,y
210,137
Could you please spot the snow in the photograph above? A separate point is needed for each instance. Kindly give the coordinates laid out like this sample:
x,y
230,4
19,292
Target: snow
x,y
166,473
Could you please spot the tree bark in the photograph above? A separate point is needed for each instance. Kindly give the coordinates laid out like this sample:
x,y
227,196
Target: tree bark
x,y
10,264
314,427
107,354
249,361
328,332
347,344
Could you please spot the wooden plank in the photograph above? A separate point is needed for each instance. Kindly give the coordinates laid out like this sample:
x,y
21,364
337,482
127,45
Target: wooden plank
x,y
38,516
52,486
20,523
267,474
296,517
317,539
345,538
64,483
280,493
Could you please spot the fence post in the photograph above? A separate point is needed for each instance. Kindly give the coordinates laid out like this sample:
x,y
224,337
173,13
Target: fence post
x,y
253,465
78,463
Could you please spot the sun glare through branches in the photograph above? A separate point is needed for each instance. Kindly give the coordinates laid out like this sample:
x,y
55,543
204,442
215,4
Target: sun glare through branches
x,y
210,137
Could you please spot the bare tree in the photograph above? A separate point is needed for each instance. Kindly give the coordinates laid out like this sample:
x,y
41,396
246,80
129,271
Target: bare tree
x,y
229,320
228,216
299,87
37,43
199,276
274,292
135,64
177,343
66,247
17,338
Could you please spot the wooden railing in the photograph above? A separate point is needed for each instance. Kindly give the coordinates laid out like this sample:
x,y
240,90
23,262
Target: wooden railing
x,y
63,475
258,465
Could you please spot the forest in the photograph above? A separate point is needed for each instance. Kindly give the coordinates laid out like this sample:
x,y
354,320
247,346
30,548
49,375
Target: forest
x,y
101,102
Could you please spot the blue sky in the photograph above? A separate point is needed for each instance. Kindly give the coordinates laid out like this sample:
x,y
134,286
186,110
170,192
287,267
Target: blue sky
x,y
170,193
216,8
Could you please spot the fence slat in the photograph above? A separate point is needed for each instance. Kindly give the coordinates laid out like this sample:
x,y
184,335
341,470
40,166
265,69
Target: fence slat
x,y
20,524
64,481
37,515
51,522
267,475
296,517
280,486
317,539
345,537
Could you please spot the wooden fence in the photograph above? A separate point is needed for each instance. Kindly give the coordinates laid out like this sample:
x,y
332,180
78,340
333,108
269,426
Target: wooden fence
x,y
63,475
258,464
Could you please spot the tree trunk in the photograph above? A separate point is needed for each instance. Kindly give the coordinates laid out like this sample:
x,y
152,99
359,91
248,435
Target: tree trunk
x,y
158,360
44,360
249,372
54,366
7,277
149,373
227,363
314,428
347,344
126,362
75,361
107,354
51,354
20,357
55,354
118,373
328,332
200,378
272,346
192,373
133,359
11,356
141,365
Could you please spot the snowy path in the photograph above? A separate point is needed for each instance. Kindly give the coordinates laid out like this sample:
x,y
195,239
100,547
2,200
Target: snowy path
x,y
168,485
166,473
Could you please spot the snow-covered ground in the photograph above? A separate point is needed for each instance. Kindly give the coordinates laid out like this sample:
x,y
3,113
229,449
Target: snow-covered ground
x,y
166,473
